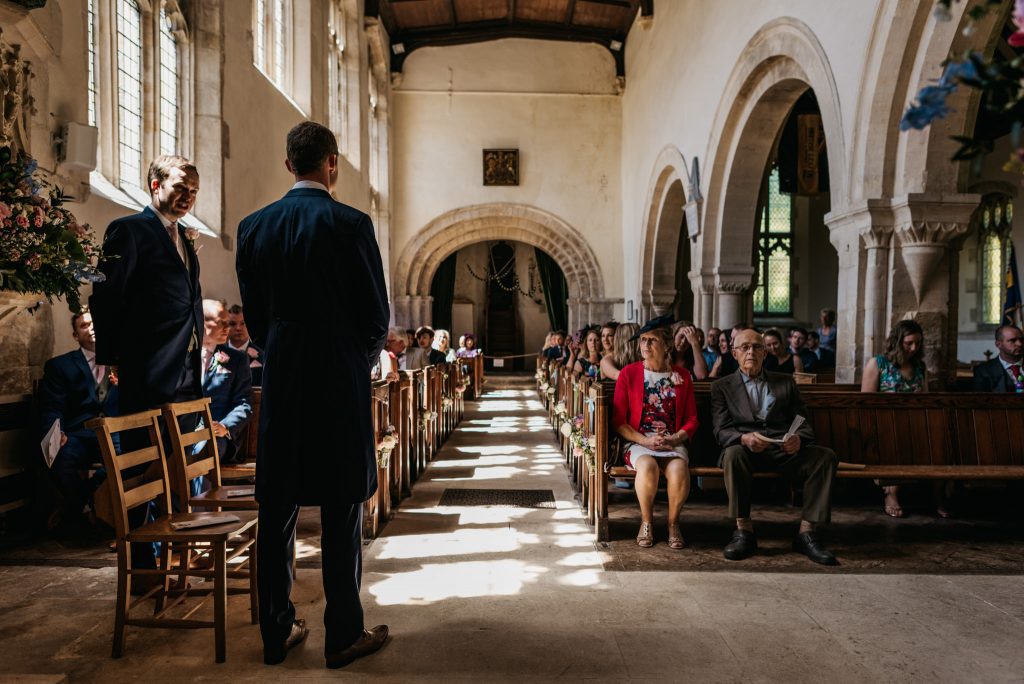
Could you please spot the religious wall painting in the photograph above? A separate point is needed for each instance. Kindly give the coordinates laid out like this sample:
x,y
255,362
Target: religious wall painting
x,y
501,167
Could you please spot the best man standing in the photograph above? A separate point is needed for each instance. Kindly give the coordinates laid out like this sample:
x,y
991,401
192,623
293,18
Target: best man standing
x,y
148,313
304,262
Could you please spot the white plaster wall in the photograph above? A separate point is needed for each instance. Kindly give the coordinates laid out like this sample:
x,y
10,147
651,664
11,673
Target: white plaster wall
x,y
555,102
677,69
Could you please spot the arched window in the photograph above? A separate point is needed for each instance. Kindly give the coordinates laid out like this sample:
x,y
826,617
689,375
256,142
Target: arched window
x,y
170,85
129,92
994,219
773,291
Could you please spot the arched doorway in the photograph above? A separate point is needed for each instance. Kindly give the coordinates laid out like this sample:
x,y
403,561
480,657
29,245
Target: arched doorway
x,y
508,293
421,257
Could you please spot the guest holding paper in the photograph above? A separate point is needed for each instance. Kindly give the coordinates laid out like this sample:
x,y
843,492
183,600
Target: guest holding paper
x,y
753,413
75,389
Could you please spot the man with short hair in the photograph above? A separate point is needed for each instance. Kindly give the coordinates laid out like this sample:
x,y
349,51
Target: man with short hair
x,y
75,389
557,348
825,358
148,311
226,381
797,345
425,341
238,339
752,412
1003,373
396,346
316,442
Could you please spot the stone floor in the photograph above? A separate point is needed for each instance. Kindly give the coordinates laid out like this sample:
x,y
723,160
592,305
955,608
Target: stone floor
x,y
516,594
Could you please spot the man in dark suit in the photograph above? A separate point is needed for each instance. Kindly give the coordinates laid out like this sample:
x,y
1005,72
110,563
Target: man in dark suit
x,y
798,345
75,389
316,444
239,340
752,411
425,341
226,380
148,312
1003,373
825,359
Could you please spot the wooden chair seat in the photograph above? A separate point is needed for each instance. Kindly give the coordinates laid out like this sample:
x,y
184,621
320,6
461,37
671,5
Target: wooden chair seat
x,y
222,497
160,529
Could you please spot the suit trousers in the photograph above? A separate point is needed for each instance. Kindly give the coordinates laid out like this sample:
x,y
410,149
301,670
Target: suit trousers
x,y
341,549
68,471
813,466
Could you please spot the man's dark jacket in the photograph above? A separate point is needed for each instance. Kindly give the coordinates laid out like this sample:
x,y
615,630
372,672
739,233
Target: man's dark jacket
x,y
309,270
992,377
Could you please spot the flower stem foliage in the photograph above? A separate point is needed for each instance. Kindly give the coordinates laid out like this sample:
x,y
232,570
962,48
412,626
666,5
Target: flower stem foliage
x,y
43,248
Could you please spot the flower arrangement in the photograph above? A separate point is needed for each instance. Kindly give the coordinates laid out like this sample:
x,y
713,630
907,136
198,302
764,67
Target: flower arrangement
x,y
582,446
43,248
447,403
426,418
385,446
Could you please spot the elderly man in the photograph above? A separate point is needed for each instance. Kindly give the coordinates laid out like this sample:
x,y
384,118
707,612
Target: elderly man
x,y
752,412
226,380
1003,373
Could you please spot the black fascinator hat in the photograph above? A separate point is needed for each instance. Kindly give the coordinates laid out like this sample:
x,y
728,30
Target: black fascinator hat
x,y
654,323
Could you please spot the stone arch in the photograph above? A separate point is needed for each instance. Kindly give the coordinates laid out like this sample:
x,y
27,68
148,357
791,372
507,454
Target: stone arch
x,y
458,228
780,63
663,217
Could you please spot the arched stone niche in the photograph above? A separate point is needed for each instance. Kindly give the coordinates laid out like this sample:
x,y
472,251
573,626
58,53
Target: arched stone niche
x,y
458,228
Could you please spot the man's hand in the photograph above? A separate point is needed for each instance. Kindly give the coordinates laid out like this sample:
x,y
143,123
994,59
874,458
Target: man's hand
x,y
219,430
791,445
63,439
755,441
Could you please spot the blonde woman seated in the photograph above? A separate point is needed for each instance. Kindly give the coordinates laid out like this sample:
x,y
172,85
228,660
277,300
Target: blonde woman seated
x,y
655,413
588,360
625,350
443,344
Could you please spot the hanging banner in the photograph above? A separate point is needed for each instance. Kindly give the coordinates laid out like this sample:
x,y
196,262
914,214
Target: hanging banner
x,y
810,141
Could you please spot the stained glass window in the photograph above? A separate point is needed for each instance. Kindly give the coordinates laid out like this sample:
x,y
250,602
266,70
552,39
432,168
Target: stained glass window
x,y
129,92
168,87
995,216
773,291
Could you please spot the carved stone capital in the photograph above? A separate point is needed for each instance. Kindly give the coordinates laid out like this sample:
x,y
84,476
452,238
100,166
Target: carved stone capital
x,y
733,280
877,237
940,233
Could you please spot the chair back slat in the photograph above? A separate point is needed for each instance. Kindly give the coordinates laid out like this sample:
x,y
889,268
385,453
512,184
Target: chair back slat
x,y
129,491
183,465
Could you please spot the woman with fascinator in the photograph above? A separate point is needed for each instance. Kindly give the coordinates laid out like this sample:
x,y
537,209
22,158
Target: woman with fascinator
x,y
655,413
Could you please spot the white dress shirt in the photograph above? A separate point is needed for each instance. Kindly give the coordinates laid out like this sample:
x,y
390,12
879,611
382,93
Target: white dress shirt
x,y
313,185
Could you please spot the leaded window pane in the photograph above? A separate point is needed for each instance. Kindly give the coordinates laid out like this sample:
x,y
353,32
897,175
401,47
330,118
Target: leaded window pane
x,y
168,87
773,291
129,92
91,37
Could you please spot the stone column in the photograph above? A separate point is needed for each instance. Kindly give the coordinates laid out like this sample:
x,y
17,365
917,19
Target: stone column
x,y
930,229
731,288
401,314
703,287
574,305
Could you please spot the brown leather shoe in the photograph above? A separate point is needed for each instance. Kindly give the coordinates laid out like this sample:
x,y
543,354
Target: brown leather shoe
x,y
298,634
370,642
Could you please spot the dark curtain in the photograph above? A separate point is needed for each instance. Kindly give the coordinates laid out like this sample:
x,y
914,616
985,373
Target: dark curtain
x,y
556,291
442,289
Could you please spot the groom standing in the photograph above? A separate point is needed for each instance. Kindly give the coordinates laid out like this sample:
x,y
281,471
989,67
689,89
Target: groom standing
x,y
305,262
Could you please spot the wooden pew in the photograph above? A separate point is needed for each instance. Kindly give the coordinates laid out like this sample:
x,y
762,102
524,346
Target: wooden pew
x,y
941,436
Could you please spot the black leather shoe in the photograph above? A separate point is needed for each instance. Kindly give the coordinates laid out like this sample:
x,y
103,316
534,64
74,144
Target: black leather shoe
x,y
276,656
743,545
370,642
808,544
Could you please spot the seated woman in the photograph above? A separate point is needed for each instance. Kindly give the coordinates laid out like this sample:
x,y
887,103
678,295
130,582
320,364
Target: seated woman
x,y
608,338
780,359
827,330
687,344
655,413
467,347
900,369
589,359
725,363
625,351
443,344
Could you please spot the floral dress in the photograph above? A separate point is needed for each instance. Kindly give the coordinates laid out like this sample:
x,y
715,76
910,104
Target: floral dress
x,y
890,379
658,416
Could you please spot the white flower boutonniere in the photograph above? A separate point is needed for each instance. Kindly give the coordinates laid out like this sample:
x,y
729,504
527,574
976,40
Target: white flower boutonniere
x,y
191,234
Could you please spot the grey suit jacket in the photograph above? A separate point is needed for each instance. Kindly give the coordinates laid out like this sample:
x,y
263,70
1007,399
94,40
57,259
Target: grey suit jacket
x,y
733,415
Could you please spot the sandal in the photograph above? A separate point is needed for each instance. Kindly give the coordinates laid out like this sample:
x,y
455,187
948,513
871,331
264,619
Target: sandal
x,y
646,537
675,538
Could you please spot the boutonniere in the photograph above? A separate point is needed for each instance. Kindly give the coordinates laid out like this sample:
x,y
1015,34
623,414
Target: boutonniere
x,y
220,361
253,354
191,234
676,378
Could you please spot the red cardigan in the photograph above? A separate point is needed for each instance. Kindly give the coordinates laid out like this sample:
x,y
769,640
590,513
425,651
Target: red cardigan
x,y
629,399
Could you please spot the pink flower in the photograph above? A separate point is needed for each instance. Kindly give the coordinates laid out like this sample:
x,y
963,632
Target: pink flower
x,y
253,354
191,234
21,221
38,221
5,210
34,262
222,358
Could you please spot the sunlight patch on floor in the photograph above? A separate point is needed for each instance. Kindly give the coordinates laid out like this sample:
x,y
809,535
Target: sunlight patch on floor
x,y
477,462
493,473
461,542
471,579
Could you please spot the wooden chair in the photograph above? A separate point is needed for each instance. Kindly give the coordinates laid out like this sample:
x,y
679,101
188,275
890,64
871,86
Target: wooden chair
x,y
184,467
226,541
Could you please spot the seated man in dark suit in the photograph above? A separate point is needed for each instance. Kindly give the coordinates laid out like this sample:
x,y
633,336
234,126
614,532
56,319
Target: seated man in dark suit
x,y
752,411
75,389
557,348
425,340
226,380
826,358
238,339
798,346
1003,373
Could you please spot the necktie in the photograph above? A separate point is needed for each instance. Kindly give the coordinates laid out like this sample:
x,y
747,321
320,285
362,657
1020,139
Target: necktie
x,y
1015,372
172,232
207,358
99,372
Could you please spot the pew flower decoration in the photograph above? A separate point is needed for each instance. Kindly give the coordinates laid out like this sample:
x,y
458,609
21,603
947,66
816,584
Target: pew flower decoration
x,y
582,446
387,444
43,247
544,387
560,410
426,418
539,375
447,403
566,429
550,391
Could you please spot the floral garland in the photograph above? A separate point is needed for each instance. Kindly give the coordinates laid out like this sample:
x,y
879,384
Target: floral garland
x,y
387,444
43,247
447,403
582,446
426,418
